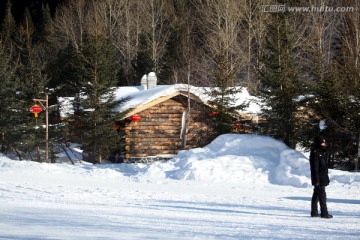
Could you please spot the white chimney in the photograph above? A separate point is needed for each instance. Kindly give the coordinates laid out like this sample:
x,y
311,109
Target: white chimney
x,y
143,82
151,80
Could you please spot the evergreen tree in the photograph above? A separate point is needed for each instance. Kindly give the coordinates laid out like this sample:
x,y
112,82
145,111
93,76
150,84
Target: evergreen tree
x,y
65,79
335,86
15,116
18,130
174,62
351,76
3,10
336,102
223,96
171,57
280,80
96,116
30,62
8,91
65,75
142,64
7,24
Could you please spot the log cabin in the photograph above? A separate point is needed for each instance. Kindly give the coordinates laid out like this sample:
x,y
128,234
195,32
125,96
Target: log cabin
x,y
162,120
173,120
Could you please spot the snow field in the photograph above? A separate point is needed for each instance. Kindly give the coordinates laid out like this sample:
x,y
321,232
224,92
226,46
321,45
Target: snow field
x,y
238,187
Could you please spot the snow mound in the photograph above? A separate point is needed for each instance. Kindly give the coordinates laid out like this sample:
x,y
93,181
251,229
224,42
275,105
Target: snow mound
x,y
241,158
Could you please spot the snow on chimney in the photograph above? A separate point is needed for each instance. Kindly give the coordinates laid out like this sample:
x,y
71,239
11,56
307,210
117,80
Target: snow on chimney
x,y
151,80
143,82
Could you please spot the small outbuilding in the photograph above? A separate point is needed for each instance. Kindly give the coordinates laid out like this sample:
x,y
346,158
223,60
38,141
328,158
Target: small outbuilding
x,y
162,120
172,121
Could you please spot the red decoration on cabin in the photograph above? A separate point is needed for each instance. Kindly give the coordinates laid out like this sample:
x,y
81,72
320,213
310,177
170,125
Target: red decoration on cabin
x,y
135,118
213,113
36,109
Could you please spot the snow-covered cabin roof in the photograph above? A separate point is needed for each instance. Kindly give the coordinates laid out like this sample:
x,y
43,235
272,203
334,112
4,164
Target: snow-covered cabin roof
x,y
141,99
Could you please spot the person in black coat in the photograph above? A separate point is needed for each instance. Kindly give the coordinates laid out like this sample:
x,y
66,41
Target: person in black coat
x,y
319,177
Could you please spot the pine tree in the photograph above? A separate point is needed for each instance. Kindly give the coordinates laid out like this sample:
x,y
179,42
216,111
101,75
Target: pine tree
x,y
336,102
3,10
29,63
351,77
65,79
14,109
17,123
223,97
96,117
335,87
7,97
280,80
7,26
142,64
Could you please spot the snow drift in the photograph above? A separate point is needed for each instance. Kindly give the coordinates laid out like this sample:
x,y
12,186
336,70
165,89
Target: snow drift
x,y
250,159
237,187
236,158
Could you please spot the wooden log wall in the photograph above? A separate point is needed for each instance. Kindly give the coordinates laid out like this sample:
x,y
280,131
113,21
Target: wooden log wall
x,y
158,132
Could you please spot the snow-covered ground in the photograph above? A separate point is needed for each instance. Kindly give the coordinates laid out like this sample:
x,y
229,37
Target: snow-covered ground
x,y
238,187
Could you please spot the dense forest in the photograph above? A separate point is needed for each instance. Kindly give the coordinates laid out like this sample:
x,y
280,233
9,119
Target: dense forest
x,y
304,63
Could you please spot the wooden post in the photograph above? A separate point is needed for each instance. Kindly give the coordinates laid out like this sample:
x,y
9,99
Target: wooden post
x,y
46,100
47,127
358,155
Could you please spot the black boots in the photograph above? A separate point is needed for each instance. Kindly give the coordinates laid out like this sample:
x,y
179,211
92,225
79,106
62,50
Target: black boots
x,y
315,215
319,196
322,215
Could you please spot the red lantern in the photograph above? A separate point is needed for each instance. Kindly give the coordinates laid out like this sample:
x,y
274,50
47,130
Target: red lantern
x,y
237,124
135,118
213,113
36,109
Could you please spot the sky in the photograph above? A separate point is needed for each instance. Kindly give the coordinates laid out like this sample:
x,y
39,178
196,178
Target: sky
x,y
237,187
